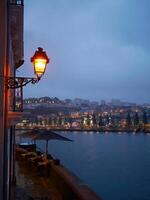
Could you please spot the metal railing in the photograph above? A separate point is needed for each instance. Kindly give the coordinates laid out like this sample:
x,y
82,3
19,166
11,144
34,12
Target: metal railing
x,y
18,100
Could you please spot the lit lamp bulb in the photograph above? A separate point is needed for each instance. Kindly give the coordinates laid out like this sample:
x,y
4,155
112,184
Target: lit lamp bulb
x,y
39,66
40,61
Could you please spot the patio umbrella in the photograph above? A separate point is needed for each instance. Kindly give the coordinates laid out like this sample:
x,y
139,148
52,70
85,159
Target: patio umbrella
x,y
49,135
46,135
30,134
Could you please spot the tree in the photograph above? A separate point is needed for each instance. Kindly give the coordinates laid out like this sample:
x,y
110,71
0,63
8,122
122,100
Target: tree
x,y
136,119
88,120
100,121
94,120
128,120
112,121
70,121
55,121
145,121
107,119
50,121
82,121
59,121
65,120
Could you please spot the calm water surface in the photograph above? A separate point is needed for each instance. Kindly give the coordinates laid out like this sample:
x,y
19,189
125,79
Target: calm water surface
x,y
116,166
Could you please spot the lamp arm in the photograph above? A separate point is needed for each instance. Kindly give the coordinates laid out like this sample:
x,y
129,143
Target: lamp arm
x,y
17,82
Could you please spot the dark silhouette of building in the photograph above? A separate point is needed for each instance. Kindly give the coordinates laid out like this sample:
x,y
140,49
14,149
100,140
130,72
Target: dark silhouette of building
x,y
11,58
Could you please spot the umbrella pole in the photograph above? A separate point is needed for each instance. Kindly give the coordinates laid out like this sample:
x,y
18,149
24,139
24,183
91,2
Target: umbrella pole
x,y
46,148
34,142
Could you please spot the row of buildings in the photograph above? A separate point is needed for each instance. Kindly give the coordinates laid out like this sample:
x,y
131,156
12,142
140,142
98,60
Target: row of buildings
x,y
48,101
56,113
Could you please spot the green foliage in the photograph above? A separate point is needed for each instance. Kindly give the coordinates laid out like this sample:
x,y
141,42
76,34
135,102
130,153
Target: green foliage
x,y
100,121
128,120
145,121
136,119
94,119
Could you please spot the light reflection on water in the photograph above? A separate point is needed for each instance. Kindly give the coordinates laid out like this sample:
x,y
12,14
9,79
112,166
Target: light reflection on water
x,y
116,166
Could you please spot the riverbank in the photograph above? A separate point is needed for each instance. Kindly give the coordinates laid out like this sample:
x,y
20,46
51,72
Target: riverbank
x,y
127,130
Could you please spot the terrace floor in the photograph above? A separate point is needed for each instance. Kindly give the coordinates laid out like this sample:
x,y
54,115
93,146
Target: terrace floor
x,y
31,186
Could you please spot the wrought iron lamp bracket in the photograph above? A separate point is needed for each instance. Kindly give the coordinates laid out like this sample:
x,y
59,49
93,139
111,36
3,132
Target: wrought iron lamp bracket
x,y
19,82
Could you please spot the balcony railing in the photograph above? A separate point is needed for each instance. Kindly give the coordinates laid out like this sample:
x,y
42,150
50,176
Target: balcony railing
x,y
18,100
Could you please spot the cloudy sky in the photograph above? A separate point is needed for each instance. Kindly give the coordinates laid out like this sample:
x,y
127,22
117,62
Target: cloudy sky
x,y
99,49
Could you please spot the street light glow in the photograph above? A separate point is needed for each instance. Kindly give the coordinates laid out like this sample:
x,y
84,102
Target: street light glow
x,y
40,61
39,66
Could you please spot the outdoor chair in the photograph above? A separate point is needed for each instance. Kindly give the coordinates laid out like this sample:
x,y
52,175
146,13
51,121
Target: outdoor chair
x,y
56,161
38,153
49,157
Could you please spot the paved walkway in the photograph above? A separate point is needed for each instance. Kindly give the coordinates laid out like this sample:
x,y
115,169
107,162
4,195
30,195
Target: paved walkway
x,y
31,186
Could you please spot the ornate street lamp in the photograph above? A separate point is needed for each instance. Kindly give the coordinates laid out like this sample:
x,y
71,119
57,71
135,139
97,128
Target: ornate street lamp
x,y
40,61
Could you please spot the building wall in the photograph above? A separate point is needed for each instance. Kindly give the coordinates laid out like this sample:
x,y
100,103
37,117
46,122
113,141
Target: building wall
x,y
3,55
9,58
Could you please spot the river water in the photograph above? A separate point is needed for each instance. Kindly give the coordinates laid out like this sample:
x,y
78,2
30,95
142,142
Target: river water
x,y
116,166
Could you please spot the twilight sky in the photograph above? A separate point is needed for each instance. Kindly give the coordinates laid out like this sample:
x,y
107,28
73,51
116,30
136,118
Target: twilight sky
x,y
99,49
